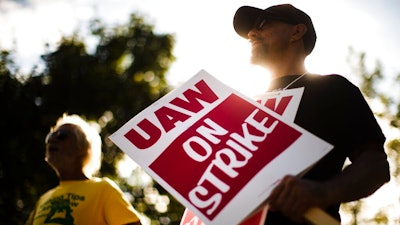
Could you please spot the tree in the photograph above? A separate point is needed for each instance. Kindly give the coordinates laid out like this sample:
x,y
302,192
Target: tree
x,y
123,75
371,81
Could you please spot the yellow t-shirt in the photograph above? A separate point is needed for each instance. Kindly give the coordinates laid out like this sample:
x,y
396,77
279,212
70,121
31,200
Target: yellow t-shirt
x,y
96,201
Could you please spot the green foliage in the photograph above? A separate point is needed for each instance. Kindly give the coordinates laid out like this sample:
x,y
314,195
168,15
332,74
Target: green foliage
x,y
353,209
122,75
371,81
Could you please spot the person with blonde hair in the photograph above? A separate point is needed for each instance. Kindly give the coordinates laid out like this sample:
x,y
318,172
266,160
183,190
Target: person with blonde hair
x,y
73,150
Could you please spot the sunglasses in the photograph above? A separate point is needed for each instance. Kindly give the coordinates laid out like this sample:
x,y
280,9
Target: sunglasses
x,y
261,24
264,21
60,135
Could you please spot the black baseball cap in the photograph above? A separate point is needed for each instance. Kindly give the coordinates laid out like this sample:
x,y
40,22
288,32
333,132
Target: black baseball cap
x,y
247,17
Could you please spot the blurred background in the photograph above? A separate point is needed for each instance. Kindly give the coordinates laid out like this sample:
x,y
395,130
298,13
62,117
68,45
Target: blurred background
x,y
109,59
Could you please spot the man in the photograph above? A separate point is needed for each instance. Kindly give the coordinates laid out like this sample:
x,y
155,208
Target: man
x,y
332,108
73,150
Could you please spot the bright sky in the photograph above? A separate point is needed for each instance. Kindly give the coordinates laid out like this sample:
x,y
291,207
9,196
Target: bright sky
x,y
205,38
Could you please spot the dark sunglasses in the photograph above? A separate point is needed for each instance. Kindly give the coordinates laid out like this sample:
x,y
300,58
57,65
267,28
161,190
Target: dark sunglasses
x,y
59,135
261,22
260,25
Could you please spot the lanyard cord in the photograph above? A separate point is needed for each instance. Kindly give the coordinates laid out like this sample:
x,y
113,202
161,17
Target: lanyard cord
x,y
287,86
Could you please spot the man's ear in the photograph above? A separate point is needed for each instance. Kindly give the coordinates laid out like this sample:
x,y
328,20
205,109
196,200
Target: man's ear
x,y
298,31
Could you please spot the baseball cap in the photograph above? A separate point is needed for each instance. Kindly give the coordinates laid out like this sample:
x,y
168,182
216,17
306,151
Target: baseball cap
x,y
247,17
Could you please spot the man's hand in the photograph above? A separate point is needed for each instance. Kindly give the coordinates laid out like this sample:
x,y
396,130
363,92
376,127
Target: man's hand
x,y
293,196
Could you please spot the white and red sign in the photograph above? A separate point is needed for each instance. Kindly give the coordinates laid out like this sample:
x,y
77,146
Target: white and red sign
x,y
258,218
284,103
189,218
218,152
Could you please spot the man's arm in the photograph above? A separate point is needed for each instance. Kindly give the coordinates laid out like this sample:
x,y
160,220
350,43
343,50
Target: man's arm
x,y
367,173
369,170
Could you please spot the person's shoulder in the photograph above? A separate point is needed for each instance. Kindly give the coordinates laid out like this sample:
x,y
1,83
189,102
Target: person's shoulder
x,y
329,77
101,180
106,182
330,81
50,192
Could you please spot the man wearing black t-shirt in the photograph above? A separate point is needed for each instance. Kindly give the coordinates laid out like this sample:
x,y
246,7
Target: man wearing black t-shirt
x,y
332,108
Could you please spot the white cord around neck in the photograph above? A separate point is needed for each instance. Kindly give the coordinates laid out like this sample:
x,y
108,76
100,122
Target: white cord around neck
x,y
287,86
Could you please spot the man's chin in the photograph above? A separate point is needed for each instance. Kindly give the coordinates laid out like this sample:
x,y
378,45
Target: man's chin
x,y
256,61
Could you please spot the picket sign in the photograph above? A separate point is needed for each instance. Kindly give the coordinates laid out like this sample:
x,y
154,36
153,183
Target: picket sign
x,y
215,149
285,103
189,218
258,218
315,216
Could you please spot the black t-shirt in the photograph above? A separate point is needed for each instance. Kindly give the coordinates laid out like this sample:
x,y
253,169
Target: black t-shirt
x,y
333,109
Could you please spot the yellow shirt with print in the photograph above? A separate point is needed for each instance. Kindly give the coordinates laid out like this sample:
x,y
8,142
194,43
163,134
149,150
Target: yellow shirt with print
x,y
96,201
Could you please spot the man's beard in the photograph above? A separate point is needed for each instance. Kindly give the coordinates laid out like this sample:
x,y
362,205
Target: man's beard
x,y
259,55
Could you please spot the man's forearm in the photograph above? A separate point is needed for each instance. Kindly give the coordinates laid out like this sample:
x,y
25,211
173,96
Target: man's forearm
x,y
363,177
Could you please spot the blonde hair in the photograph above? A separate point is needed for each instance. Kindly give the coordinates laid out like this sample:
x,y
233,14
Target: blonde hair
x,y
91,140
